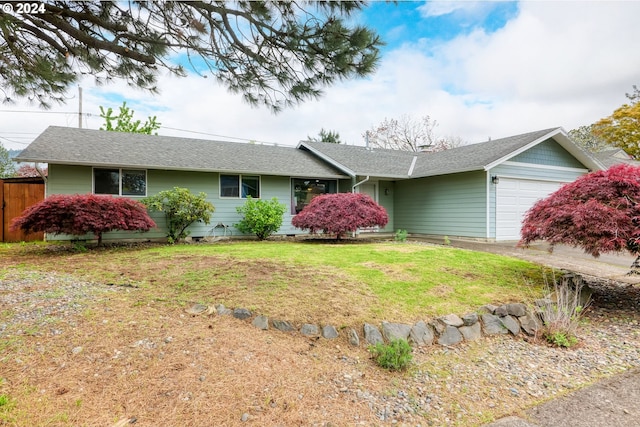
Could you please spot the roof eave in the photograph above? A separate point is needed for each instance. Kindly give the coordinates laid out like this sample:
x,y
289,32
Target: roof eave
x,y
182,169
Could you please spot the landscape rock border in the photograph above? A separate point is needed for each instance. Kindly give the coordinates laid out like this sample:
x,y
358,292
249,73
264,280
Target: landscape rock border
x,y
512,318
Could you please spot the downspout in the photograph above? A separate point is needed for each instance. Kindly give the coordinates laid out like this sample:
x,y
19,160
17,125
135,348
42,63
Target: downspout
x,y
357,184
353,190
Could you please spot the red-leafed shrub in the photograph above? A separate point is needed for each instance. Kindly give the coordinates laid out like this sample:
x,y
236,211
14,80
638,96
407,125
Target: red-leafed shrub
x,y
80,214
598,212
340,213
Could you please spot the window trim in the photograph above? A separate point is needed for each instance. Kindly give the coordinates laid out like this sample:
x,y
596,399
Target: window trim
x,y
120,175
239,175
292,189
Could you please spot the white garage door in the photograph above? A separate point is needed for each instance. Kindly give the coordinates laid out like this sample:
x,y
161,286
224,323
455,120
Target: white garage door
x,y
513,198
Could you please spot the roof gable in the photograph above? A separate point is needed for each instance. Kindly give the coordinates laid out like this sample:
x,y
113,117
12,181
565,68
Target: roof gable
x,y
73,146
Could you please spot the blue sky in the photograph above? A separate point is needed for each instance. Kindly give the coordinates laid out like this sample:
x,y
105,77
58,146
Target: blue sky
x,y
480,69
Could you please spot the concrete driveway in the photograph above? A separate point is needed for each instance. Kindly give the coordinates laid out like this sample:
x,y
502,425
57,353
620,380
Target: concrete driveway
x,y
607,266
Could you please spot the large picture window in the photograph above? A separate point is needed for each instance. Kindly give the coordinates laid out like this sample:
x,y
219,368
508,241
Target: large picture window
x,y
304,190
120,182
240,186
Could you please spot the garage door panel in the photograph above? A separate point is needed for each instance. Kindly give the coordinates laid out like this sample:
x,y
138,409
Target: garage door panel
x,y
514,197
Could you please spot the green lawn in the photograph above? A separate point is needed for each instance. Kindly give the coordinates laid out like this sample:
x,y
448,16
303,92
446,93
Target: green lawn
x,y
302,281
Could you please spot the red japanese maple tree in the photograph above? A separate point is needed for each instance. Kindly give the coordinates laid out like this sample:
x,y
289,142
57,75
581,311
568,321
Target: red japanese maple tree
x,y
340,213
599,212
80,214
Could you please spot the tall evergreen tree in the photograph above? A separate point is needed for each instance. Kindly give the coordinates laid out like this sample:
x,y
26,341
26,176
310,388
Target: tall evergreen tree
x,y
273,53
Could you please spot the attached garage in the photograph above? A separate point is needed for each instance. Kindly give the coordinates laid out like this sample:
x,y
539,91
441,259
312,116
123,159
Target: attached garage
x,y
514,197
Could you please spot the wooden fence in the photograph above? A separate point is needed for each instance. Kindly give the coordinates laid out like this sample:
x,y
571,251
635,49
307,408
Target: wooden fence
x,y
17,194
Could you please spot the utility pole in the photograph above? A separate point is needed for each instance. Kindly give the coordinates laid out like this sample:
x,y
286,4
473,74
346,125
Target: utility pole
x,y
79,107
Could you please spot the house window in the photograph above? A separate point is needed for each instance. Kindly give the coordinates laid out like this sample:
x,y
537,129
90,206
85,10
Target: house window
x,y
120,182
304,190
240,186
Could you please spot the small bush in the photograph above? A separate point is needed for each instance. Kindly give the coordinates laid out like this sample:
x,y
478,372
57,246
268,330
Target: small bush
x,y
340,213
181,208
401,235
560,339
80,214
395,356
261,217
562,312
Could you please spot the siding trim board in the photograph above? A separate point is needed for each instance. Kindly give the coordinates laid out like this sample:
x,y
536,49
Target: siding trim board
x,y
547,167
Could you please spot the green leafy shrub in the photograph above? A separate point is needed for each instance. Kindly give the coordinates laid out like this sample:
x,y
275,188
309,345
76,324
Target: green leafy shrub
x,y
560,339
401,235
181,208
395,356
261,217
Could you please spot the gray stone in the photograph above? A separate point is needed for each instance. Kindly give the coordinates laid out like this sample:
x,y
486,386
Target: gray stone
x,y
196,309
487,308
245,417
329,332
261,322
492,325
543,302
451,320
422,334
437,326
354,339
472,332
501,311
516,309
529,324
222,310
511,324
282,325
372,334
241,313
450,336
309,330
395,331
470,319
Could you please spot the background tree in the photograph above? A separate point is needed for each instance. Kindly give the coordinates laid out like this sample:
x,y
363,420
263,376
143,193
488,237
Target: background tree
x,y
274,53
598,212
124,122
7,167
181,209
622,128
340,213
27,171
326,136
409,134
584,137
80,214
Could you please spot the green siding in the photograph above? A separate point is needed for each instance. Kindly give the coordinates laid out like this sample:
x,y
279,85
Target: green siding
x,y
452,205
78,179
386,201
548,153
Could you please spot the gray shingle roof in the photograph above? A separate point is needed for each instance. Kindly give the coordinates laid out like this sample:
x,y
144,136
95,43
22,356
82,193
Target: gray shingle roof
x,y
474,156
613,156
63,145
364,161
358,160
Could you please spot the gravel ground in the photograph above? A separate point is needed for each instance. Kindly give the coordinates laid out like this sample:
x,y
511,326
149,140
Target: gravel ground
x,y
501,375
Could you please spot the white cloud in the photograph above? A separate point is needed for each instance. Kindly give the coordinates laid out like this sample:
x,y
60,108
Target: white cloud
x,y
554,64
